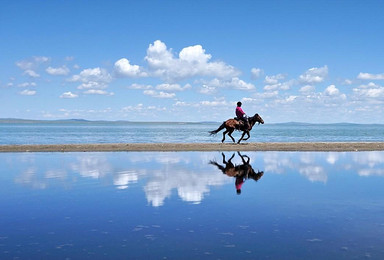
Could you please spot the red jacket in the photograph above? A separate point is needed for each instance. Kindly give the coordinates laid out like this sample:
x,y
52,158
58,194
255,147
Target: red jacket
x,y
239,112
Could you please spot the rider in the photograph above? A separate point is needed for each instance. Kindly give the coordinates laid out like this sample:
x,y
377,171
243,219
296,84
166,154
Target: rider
x,y
240,114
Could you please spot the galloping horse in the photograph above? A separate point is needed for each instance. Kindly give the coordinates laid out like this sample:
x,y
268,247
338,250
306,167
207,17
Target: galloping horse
x,y
232,124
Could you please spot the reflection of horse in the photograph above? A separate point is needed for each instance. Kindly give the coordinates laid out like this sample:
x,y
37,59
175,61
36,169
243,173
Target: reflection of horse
x,y
232,124
240,172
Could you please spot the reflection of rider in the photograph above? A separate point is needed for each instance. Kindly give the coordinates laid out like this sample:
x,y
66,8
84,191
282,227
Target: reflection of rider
x,y
238,183
240,114
240,172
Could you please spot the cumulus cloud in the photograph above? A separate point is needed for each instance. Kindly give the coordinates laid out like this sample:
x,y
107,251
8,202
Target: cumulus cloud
x,y
141,109
160,94
98,92
139,86
368,76
256,73
31,73
208,90
232,83
95,78
27,84
216,102
370,91
33,63
307,88
124,68
314,75
270,80
331,91
191,61
334,93
28,92
68,95
60,71
279,85
172,87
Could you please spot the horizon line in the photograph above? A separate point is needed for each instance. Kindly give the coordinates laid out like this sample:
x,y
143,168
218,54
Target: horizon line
x,y
81,120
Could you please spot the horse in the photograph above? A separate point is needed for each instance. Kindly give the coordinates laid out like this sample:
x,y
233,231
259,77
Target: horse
x,y
240,172
234,124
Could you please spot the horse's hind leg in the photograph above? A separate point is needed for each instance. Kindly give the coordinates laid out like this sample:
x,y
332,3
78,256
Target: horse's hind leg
x,y
224,133
230,135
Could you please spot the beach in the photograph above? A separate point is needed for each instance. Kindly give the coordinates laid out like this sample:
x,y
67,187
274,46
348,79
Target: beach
x,y
165,147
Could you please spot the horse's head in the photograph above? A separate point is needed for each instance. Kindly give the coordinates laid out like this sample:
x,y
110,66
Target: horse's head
x,y
258,119
256,175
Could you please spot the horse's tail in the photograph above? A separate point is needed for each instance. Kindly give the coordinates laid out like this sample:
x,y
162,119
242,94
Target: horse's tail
x,y
218,129
218,166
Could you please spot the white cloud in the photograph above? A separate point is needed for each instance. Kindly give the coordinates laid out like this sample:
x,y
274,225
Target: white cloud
x,y
124,68
307,88
208,90
274,79
157,94
139,86
290,98
27,84
371,91
95,74
95,78
32,63
233,83
331,91
256,73
192,61
172,87
31,73
98,92
215,103
368,76
27,92
60,71
279,86
68,95
314,75
348,82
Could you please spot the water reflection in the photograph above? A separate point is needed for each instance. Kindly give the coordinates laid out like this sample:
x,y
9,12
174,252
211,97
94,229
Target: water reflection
x,y
189,174
139,205
241,172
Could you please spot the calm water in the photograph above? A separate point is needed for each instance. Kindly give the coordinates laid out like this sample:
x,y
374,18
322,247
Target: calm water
x,y
64,133
180,205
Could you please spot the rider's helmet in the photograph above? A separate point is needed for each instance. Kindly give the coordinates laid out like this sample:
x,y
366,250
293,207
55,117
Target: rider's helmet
x,y
239,104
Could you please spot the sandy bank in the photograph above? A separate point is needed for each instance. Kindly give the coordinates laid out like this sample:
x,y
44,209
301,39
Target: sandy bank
x,y
305,146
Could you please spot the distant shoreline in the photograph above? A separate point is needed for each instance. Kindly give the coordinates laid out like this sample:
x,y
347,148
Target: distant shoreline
x,y
178,147
112,122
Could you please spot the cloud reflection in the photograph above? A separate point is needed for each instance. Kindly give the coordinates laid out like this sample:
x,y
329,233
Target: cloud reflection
x,y
187,175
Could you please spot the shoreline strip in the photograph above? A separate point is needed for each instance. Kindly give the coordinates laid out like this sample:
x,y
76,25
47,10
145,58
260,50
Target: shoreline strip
x,y
175,147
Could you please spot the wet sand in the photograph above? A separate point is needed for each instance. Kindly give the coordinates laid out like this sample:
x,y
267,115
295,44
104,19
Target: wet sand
x,y
163,147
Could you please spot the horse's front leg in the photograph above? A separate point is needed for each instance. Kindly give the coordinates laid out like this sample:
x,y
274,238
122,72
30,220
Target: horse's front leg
x,y
247,137
242,136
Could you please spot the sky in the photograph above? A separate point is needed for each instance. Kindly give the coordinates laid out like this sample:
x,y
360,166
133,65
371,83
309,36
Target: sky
x,y
191,61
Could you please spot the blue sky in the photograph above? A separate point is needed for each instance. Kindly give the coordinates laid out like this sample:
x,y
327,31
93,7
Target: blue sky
x,y
307,61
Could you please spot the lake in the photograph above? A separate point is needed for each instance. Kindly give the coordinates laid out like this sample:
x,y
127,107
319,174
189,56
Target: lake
x,y
182,205
69,132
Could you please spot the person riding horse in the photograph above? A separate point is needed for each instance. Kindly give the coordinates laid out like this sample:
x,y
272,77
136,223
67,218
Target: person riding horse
x,y
241,116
